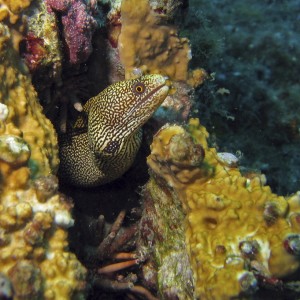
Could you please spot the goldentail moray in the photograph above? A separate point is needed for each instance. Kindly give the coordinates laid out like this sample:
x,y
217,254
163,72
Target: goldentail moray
x,y
106,137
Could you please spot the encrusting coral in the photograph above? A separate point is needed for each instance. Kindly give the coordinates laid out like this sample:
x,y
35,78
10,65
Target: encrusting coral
x,y
166,270
79,25
42,46
11,9
204,225
147,42
36,37
21,111
34,216
237,230
262,93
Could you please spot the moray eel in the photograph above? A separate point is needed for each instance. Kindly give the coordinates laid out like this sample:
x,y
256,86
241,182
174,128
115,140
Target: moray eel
x,y
104,141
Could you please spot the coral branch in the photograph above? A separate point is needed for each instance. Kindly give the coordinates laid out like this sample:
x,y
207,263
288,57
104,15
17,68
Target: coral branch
x,y
100,226
124,238
125,255
118,222
107,241
118,266
143,292
111,285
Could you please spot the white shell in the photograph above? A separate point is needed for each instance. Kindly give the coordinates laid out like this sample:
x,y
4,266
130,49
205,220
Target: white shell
x,y
3,112
228,159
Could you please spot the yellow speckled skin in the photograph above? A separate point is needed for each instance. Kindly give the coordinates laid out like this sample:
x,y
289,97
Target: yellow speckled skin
x,y
105,140
226,215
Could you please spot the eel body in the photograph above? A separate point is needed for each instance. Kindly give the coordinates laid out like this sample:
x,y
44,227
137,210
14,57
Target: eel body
x,y
105,139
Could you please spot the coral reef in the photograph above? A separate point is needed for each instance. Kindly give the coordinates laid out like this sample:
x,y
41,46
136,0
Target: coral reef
x,y
237,230
21,114
34,216
167,270
58,32
11,9
42,45
36,51
109,251
115,251
204,224
146,42
79,25
254,53
34,245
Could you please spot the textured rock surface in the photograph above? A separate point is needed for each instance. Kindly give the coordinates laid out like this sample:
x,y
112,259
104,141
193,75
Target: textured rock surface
x,y
24,114
237,230
145,41
34,216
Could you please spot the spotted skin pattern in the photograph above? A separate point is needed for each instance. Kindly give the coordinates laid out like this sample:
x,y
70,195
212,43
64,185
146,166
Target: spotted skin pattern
x,y
105,139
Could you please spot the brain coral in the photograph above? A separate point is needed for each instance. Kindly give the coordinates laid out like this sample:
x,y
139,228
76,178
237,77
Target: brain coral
x,y
34,254
237,230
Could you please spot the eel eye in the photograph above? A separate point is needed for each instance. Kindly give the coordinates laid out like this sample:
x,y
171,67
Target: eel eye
x,y
139,88
112,147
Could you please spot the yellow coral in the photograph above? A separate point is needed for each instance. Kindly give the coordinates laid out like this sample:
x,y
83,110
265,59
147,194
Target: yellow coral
x,y
145,42
34,239
21,114
234,224
12,8
34,216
